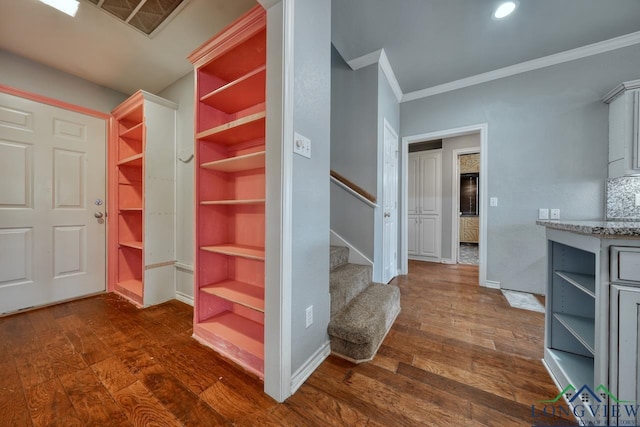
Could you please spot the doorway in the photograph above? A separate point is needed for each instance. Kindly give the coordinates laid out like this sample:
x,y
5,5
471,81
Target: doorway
x,y
481,130
465,219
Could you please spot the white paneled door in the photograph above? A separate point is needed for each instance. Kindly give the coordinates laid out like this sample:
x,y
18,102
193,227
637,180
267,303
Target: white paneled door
x,y
390,204
52,191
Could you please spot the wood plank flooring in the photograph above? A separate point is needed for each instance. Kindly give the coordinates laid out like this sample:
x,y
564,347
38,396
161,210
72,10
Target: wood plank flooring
x,y
457,355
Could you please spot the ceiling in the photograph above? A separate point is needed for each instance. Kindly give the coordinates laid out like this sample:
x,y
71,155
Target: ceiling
x,y
428,42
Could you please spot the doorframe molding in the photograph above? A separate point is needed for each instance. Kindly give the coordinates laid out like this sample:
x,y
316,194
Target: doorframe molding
x,y
483,129
386,125
53,102
455,200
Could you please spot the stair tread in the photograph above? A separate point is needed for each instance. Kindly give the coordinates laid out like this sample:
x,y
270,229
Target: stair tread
x,y
345,283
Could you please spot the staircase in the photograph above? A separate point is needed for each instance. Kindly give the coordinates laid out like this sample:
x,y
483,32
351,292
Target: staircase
x,y
362,312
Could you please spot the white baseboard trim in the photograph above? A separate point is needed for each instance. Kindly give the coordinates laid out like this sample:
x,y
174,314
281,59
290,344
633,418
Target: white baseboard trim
x,y
447,261
491,284
355,256
425,259
305,371
182,297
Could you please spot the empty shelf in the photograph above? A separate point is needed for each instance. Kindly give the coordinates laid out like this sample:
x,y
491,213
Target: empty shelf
x,y
238,163
239,94
243,333
244,129
249,252
585,282
134,245
135,160
233,202
583,328
134,132
576,369
125,210
133,286
238,292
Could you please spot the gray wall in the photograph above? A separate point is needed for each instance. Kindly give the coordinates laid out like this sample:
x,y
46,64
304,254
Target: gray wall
x,y
448,145
547,147
182,93
311,118
22,73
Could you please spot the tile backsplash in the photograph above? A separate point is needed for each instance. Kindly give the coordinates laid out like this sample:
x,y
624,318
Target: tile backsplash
x,y
621,197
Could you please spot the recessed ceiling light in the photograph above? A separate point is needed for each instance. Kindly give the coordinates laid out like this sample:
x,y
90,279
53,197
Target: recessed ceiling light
x,y
70,7
504,9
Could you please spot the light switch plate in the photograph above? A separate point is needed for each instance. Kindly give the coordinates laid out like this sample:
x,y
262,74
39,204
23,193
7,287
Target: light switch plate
x,y
555,213
637,199
301,145
543,213
493,201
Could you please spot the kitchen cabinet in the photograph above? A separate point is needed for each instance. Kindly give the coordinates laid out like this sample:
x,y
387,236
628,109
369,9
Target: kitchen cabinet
x,y
141,210
424,222
469,229
624,129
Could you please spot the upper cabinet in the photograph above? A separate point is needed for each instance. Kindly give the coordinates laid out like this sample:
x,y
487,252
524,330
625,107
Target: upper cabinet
x,y
624,129
141,199
230,189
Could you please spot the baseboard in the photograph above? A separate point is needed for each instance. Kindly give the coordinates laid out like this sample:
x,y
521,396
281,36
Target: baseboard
x,y
491,284
355,256
305,371
447,261
182,297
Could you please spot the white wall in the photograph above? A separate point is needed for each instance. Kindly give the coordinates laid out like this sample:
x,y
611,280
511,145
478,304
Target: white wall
x,y
182,93
22,73
547,147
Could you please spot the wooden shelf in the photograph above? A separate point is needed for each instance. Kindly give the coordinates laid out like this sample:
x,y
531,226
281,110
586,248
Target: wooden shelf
x,y
238,292
133,286
233,202
585,282
244,129
240,331
129,210
237,164
249,252
135,160
242,93
133,245
134,132
583,328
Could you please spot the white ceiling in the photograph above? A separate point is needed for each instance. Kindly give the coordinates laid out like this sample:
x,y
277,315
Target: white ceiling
x,y
428,42
101,49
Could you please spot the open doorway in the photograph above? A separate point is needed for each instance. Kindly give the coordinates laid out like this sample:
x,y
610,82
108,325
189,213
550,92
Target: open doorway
x,y
465,220
451,205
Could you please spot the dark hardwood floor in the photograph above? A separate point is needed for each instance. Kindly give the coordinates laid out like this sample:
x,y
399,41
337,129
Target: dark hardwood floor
x,y
457,355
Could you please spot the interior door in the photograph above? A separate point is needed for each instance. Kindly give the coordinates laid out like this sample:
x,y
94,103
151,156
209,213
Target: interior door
x,y
52,186
390,204
430,195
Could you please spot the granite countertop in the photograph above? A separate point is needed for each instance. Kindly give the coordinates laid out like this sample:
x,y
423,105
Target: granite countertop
x,y
597,228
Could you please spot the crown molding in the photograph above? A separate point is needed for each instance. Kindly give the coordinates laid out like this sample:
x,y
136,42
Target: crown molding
x,y
379,56
523,67
618,90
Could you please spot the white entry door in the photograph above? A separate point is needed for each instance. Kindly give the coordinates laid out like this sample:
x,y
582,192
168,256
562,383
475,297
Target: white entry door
x,y
390,204
430,195
52,184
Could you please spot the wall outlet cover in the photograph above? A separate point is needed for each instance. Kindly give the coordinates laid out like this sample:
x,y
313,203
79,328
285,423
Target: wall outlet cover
x,y
301,145
309,316
555,213
543,213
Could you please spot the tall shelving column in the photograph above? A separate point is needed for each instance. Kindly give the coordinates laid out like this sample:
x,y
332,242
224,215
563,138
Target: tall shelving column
x,y
230,113
141,199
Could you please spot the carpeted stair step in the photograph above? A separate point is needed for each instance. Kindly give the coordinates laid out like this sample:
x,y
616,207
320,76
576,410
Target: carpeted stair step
x,y
338,256
345,283
358,330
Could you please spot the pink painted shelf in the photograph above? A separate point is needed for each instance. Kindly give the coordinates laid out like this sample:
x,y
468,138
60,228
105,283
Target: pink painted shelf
x,y
233,202
237,250
239,94
237,330
133,245
135,160
134,132
244,129
238,163
128,210
238,292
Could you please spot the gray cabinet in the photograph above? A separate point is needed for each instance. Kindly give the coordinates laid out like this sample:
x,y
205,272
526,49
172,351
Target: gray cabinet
x,y
624,129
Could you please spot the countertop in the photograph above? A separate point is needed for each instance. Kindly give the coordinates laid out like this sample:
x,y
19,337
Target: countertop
x,y
614,229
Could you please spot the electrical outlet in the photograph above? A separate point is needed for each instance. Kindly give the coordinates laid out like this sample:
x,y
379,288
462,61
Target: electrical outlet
x,y
555,213
543,213
309,316
637,199
301,145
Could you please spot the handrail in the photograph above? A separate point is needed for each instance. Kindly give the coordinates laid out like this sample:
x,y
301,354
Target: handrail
x,y
352,188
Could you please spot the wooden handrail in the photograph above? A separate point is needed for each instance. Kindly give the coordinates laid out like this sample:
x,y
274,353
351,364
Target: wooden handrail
x,y
370,197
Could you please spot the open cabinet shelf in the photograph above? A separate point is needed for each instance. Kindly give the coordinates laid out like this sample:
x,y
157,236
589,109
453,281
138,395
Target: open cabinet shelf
x,y
141,123
230,191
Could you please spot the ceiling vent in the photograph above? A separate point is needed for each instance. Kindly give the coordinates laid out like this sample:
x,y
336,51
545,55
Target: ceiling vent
x,y
146,16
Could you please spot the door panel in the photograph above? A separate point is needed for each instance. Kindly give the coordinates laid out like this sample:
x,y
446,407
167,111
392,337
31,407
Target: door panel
x,y
629,360
413,201
52,168
412,238
429,227
390,205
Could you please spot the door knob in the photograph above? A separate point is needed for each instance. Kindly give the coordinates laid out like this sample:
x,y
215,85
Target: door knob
x,y
98,214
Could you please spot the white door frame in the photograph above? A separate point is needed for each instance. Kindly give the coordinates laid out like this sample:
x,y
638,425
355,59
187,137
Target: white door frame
x,y
393,245
483,128
455,201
